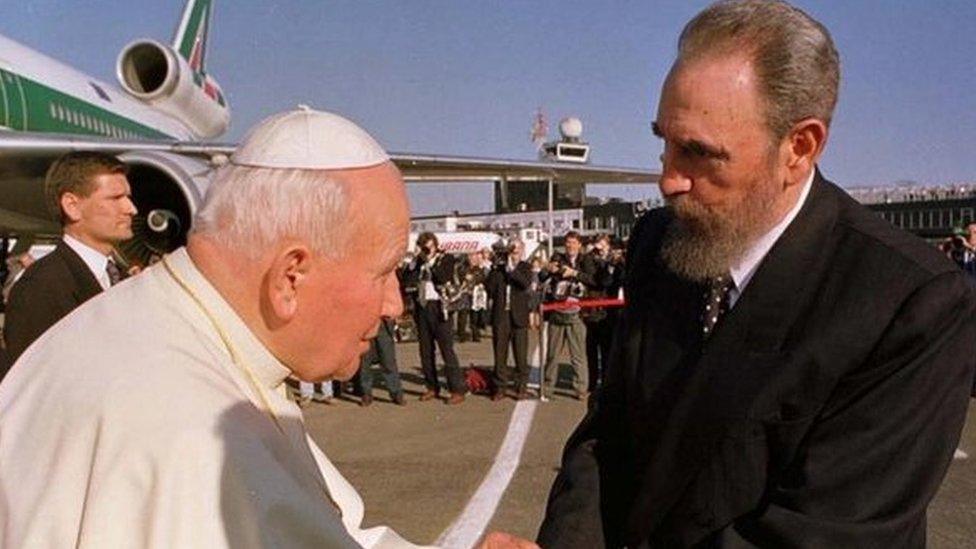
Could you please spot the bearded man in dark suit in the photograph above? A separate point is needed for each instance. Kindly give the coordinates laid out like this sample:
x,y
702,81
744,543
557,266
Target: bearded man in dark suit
x,y
90,195
790,369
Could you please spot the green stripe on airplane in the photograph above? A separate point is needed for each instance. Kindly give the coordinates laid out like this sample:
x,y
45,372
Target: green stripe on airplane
x,y
49,110
200,9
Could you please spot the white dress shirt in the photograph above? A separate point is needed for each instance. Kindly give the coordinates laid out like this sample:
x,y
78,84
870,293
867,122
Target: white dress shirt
x,y
743,271
94,259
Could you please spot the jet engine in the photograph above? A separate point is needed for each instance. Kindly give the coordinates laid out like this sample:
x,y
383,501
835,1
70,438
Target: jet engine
x,y
167,189
160,77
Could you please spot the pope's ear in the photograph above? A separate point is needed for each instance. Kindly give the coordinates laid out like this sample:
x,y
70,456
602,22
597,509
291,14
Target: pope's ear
x,y
286,275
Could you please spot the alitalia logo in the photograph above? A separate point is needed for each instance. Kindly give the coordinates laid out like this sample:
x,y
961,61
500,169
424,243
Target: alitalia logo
x,y
196,52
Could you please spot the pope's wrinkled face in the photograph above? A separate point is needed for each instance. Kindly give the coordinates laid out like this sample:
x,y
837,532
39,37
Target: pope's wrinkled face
x,y
344,299
719,173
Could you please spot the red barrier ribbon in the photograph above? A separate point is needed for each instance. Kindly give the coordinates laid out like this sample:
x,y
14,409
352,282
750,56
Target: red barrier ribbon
x,y
583,304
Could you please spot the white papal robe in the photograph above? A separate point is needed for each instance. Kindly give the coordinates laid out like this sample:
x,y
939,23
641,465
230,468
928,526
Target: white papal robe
x,y
128,424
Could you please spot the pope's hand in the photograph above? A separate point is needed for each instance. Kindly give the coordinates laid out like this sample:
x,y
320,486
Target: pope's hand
x,y
501,540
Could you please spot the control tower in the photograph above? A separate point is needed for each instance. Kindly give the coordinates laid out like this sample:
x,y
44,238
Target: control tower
x,y
534,195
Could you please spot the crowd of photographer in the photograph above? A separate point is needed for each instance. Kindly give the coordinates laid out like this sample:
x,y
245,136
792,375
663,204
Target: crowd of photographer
x,y
454,298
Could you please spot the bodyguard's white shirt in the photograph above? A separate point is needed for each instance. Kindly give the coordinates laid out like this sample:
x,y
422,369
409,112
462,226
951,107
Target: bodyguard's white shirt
x,y
94,259
742,273
129,425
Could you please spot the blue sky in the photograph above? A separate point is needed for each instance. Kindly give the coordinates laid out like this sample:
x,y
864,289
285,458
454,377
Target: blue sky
x,y
465,78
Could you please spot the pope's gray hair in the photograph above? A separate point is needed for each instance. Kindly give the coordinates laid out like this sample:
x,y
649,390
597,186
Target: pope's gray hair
x,y
794,57
250,209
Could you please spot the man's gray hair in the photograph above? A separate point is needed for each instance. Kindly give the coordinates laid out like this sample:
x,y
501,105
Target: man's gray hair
x,y
251,209
794,57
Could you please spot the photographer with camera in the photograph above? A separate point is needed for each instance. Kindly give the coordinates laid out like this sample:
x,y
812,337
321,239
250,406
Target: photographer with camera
x,y
599,321
566,280
509,285
470,274
429,272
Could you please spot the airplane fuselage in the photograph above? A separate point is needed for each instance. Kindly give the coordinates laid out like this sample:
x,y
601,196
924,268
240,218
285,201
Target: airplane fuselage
x,y
41,94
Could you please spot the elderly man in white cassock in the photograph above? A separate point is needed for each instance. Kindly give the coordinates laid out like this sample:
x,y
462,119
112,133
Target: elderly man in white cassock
x,y
155,415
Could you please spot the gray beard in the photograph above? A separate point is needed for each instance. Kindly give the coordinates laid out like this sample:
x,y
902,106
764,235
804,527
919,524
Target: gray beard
x,y
702,243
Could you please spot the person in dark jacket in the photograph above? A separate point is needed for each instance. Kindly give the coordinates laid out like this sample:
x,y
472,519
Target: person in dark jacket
x,y
424,280
509,286
90,196
791,370
566,280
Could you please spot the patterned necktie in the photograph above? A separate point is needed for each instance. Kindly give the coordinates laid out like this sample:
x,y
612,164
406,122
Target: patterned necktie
x,y
114,275
716,302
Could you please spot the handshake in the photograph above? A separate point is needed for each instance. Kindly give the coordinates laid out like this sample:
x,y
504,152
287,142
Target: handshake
x,y
501,540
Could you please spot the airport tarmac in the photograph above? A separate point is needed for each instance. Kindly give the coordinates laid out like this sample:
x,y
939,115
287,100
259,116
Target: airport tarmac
x,y
417,467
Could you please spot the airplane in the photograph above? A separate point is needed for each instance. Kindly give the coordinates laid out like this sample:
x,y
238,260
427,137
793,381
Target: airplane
x,y
160,120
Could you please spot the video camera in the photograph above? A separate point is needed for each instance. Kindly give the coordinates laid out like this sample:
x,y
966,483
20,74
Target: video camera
x,y
499,254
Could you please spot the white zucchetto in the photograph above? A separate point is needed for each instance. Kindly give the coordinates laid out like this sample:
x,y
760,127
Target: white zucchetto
x,y
305,138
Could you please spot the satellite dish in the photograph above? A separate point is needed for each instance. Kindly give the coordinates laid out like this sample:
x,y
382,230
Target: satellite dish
x,y
571,128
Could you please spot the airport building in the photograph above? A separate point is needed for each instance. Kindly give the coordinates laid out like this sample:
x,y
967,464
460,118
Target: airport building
x,y
587,216
931,212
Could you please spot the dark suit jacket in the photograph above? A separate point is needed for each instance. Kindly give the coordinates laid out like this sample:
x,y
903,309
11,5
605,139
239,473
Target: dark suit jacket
x,y
441,272
520,280
822,412
49,289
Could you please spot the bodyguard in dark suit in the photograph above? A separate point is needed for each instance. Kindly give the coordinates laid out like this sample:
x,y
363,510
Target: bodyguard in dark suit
x,y
509,286
790,370
90,195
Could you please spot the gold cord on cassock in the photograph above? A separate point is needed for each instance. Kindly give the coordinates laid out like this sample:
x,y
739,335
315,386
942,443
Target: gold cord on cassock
x,y
236,359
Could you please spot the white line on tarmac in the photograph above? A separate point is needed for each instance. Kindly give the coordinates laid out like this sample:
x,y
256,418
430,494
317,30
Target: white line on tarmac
x,y
468,528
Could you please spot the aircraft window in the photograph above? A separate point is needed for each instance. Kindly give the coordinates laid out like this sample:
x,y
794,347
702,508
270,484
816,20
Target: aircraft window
x,y
52,110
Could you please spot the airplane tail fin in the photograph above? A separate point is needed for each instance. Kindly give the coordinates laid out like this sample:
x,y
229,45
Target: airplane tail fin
x,y
191,36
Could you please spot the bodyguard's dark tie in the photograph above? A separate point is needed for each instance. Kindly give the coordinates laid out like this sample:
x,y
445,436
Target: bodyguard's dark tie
x,y
716,302
114,275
